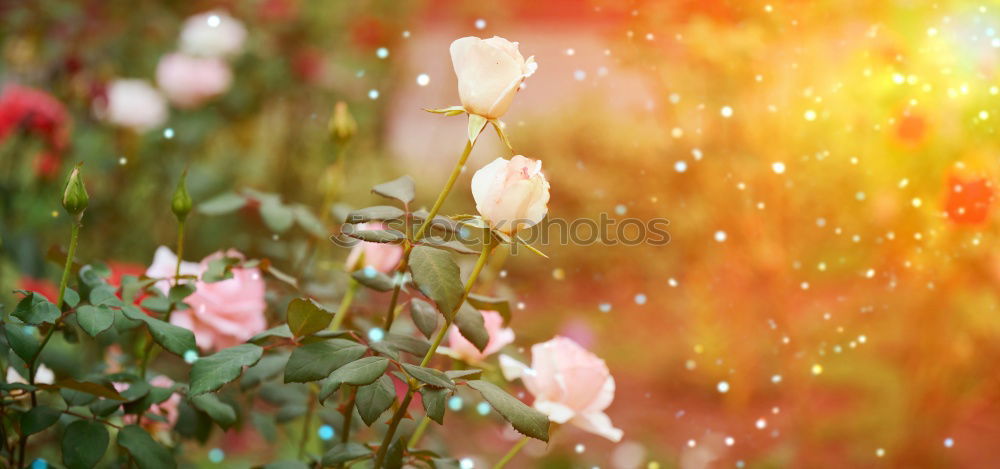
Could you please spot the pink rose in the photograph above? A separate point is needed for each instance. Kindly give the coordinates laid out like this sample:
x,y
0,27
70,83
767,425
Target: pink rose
x,y
500,336
569,383
134,104
167,409
490,72
212,34
224,313
189,81
379,256
511,194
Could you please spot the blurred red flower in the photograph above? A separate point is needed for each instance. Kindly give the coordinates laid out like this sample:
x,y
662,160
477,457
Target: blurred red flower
x,y
36,112
40,286
967,201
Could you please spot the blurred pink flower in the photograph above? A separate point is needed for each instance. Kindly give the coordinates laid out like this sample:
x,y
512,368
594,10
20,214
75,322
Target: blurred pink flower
x,y
490,72
189,81
224,313
134,104
569,383
511,194
212,34
500,336
379,256
167,409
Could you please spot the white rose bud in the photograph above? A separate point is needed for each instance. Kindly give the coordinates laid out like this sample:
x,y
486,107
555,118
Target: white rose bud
x,y
511,194
489,71
212,34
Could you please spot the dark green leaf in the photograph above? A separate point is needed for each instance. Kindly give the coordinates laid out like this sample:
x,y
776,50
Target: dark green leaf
x,y
286,465
147,453
316,361
437,276
211,372
222,204
179,292
76,398
400,189
84,443
434,402
35,309
305,317
373,279
38,419
425,316
104,295
378,212
463,374
429,376
219,269
174,339
361,372
373,236
156,304
486,303
222,413
71,297
373,399
472,326
345,452
88,387
94,319
452,245
386,349
268,367
23,339
412,345
280,332
526,420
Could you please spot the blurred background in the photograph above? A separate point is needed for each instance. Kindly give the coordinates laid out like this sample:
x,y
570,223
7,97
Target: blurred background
x,y
829,297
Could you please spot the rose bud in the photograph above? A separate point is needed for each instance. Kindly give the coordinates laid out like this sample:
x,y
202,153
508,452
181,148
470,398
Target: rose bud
x,y
569,384
75,198
181,202
490,71
342,124
511,194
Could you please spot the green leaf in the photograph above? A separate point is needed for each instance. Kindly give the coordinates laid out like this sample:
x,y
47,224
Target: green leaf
x,y
286,465
412,345
440,222
526,420
434,402
305,317
222,413
38,419
277,216
35,309
179,292
23,339
498,126
104,295
174,339
361,372
373,279
401,189
280,332
156,304
94,319
486,303
373,399
437,276
373,236
424,316
305,218
463,374
88,387
147,453
476,125
472,326
316,361
429,376
219,269
222,204
268,367
386,349
84,443
448,111
211,372
76,398
376,212
454,246
345,452
71,297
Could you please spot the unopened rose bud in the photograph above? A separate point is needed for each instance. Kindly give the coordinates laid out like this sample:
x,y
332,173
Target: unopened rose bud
x,y
342,124
75,198
490,72
511,194
181,202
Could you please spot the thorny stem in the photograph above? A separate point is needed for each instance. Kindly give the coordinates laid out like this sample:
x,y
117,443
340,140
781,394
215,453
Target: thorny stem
x,y
401,411
455,172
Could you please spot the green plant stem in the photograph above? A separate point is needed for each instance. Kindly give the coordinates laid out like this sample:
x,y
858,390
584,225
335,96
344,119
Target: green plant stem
x,y
180,252
480,263
510,454
455,172
345,431
419,432
307,422
345,305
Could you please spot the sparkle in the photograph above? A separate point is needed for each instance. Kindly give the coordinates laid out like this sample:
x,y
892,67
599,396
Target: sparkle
x,y
168,133
325,432
722,387
730,441
620,209
726,112
640,299
455,403
483,408
216,455
720,236
214,21
672,282
122,161
579,448
467,463
948,442
604,307
480,23
191,356
817,369
373,94
880,452
810,115
680,166
778,167
775,379
423,79
376,334
761,423
579,75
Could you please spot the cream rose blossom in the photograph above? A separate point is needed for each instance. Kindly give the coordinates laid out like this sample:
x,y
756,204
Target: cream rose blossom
x,y
569,384
511,194
133,103
212,34
189,81
490,72
224,313
379,256
500,336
